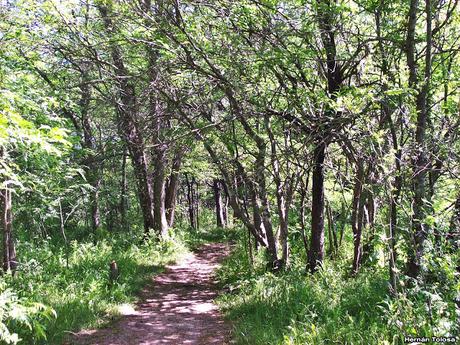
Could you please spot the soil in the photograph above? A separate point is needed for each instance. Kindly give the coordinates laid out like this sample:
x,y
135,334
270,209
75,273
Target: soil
x,y
176,308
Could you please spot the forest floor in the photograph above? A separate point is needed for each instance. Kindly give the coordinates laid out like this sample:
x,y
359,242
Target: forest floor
x,y
177,307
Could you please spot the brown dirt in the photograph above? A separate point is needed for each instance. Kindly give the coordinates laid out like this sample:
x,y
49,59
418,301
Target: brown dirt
x,y
176,308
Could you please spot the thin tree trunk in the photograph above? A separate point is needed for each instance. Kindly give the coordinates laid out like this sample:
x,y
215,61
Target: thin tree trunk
x,y
196,204
124,193
369,211
265,206
218,203
250,253
331,231
257,219
343,220
93,171
302,220
159,195
171,189
357,216
397,181
316,252
283,194
225,205
453,236
394,200
303,197
420,228
190,202
8,248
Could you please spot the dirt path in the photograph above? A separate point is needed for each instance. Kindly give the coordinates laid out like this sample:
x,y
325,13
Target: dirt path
x,y
177,308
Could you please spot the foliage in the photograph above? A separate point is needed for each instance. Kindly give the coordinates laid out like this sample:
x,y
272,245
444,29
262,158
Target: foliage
x,y
19,312
294,307
77,288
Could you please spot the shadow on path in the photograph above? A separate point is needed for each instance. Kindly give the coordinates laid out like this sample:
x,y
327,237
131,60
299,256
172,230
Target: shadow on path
x,y
176,308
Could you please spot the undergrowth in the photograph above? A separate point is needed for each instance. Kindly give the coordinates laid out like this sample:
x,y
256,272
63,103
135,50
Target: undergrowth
x,y
329,307
58,291
195,238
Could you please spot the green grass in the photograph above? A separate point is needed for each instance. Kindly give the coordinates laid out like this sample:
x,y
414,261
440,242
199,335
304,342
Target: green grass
x,y
196,238
292,307
329,307
80,292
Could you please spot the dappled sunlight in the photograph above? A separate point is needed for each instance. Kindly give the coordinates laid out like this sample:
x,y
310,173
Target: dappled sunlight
x,y
126,309
176,308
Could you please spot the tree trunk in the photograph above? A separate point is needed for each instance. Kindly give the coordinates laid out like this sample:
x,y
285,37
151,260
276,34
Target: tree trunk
x,y
92,169
225,211
334,80
225,202
265,206
8,248
127,126
332,234
171,189
124,194
303,197
220,221
369,211
396,184
158,115
316,252
159,194
453,236
144,187
357,215
190,202
420,204
257,219
196,202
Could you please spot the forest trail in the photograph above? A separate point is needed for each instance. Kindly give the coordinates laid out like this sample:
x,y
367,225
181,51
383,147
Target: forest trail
x,y
176,308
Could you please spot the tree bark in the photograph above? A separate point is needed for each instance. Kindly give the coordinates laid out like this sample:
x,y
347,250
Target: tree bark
x,y
159,195
127,126
303,197
396,184
190,202
356,216
394,200
93,171
217,188
171,189
420,227
453,236
8,247
334,80
158,115
316,252
124,193
196,202
225,207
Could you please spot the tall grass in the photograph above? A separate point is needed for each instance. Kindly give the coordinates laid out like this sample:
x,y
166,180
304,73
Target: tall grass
x,y
75,283
330,307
